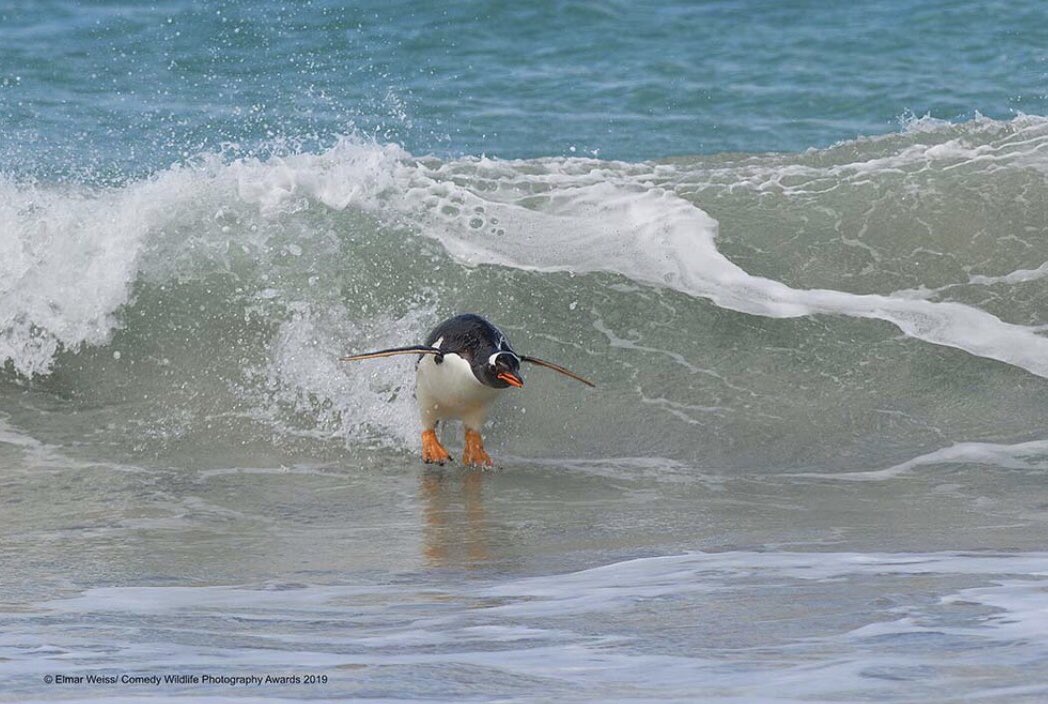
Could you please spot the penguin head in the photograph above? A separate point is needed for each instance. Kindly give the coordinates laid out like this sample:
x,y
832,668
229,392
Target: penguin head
x,y
500,370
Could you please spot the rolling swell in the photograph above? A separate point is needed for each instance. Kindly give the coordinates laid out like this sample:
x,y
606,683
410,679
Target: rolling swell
x,y
828,308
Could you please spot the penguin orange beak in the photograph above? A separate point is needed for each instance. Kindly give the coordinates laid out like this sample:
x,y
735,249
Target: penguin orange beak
x,y
511,379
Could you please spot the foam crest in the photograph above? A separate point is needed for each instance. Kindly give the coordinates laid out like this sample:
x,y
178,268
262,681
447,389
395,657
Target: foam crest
x,y
73,254
606,222
612,224
1024,455
68,260
924,147
604,586
352,173
1019,276
653,236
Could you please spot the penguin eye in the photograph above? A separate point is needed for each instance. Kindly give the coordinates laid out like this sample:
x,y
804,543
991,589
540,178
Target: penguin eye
x,y
502,361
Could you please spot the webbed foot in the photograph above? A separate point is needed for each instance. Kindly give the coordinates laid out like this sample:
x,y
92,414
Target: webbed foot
x,y
474,453
432,451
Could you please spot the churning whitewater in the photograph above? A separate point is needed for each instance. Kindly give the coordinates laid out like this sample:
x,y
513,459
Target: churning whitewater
x,y
311,251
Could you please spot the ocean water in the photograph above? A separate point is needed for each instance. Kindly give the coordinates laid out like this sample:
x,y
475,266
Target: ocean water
x,y
801,247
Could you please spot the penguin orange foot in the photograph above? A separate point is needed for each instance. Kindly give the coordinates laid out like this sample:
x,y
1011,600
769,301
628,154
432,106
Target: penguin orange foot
x,y
474,454
463,366
432,451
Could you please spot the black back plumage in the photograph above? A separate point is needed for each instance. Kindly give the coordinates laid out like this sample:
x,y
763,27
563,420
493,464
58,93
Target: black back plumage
x,y
469,336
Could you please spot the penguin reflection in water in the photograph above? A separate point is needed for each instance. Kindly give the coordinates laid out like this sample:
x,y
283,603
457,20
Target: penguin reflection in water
x,y
463,366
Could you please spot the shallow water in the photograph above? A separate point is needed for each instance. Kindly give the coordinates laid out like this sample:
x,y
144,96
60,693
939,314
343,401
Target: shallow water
x,y
617,580
813,466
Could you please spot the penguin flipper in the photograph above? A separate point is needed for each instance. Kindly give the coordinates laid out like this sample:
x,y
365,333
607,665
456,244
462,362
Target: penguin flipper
x,y
556,368
413,349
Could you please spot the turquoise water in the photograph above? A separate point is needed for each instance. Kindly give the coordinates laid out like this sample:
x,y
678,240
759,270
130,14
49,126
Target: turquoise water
x,y
135,86
800,247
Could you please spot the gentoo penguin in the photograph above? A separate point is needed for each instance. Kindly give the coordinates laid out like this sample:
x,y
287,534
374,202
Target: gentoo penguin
x,y
464,364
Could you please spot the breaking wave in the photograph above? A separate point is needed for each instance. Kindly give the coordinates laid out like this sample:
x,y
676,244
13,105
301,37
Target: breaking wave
x,y
733,307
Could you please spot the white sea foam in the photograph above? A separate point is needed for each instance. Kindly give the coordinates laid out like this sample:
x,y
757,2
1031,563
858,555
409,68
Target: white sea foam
x,y
611,224
1019,276
1024,455
71,255
1012,278
36,456
11,436
67,260
984,618
346,400
605,585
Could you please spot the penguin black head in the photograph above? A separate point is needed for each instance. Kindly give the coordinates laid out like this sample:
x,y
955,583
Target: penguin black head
x,y
481,344
500,370
484,346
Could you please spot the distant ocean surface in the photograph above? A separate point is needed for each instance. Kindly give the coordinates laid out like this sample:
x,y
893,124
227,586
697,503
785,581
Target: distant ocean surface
x,y
128,87
801,247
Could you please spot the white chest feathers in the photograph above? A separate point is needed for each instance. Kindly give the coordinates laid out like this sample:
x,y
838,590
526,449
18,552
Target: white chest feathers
x,y
450,390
